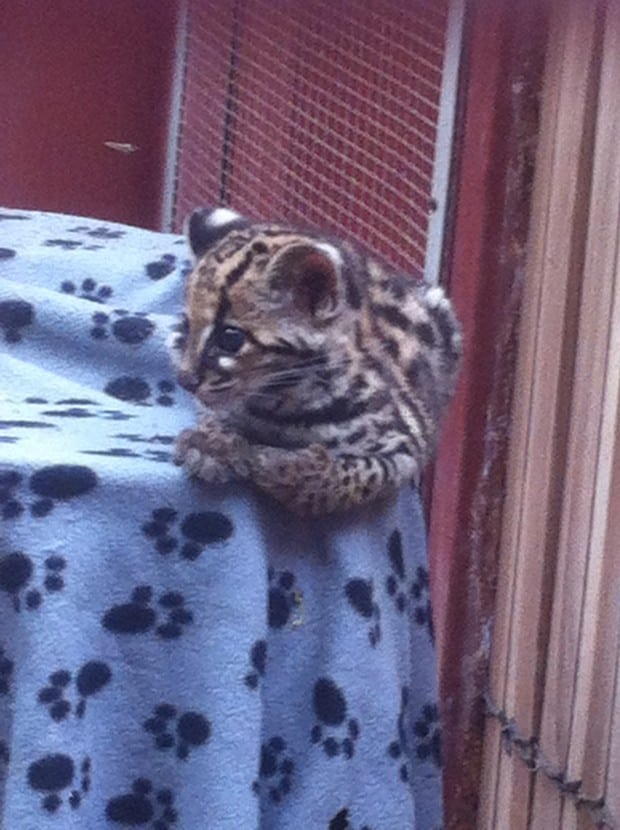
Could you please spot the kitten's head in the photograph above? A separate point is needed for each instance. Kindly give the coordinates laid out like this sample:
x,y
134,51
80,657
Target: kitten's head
x,y
268,310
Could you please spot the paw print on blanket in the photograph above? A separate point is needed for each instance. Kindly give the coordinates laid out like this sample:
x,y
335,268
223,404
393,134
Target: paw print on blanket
x,y
11,506
139,391
395,583
101,232
138,615
359,592
198,531
423,734
53,484
14,217
334,732
6,672
275,775
284,599
15,315
87,290
427,732
341,821
131,329
90,679
52,774
65,244
17,571
7,253
420,595
5,756
161,268
143,806
258,660
397,749
182,732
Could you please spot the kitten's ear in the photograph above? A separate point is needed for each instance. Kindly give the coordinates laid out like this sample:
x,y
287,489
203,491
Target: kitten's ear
x,y
309,274
206,227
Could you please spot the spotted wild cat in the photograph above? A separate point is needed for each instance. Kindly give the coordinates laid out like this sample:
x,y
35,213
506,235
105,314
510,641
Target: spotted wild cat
x,y
324,372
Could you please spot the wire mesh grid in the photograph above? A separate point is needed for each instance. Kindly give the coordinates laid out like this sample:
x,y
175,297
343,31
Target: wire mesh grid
x,y
318,112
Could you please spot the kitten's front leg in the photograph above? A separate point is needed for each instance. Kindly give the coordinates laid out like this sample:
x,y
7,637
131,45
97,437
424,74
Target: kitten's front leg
x,y
310,481
213,452
313,481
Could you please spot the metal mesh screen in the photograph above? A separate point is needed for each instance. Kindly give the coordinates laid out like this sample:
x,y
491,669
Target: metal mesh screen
x,y
317,112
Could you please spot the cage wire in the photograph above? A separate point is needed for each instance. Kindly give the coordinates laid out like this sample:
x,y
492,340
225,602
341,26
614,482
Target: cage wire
x,y
315,112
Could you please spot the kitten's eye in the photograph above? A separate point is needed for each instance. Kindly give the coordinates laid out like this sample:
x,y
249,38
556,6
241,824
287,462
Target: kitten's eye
x,y
230,339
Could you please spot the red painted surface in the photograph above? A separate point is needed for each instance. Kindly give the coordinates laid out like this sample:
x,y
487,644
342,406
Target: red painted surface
x,y
504,55
75,74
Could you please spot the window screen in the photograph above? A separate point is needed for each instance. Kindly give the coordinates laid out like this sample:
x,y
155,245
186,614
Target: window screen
x,y
322,113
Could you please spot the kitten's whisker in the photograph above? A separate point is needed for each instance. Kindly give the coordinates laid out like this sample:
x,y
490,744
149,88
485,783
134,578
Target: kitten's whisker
x,y
304,369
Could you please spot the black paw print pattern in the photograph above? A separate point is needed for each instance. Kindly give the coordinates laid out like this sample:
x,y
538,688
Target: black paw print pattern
x,y
258,660
15,315
56,483
334,732
198,530
16,573
395,583
6,671
87,290
7,253
14,217
275,775
52,774
102,232
359,592
137,390
131,329
65,244
398,747
182,732
421,597
90,679
138,616
9,482
284,598
341,821
161,268
427,733
5,755
143,806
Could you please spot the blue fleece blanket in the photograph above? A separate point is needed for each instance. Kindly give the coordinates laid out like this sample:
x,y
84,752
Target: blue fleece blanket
x,y
176,656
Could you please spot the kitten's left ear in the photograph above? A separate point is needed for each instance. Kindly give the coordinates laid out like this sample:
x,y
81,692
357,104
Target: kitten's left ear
x,y
206,227
310,274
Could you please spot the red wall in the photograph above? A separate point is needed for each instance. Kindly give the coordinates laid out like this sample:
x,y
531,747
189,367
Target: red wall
x,y
75,74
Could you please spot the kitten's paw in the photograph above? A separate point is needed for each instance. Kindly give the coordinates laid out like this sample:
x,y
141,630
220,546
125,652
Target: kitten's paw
x,y
184,446
290,469
212,452
190,453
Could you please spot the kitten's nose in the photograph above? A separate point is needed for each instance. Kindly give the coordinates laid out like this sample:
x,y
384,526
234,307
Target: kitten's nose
x,y
188,380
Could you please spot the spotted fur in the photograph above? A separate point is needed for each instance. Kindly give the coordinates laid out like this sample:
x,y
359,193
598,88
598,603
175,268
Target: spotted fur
x,y
324,372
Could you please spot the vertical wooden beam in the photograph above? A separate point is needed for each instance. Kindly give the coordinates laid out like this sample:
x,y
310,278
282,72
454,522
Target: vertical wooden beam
x,y
504,48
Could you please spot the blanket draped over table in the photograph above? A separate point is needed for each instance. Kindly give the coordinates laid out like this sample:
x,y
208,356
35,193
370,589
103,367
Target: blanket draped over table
x,y
173,655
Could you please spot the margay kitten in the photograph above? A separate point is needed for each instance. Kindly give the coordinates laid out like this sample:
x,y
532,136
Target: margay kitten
x,y
326,373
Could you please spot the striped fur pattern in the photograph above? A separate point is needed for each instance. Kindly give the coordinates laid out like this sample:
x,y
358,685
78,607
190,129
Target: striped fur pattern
x,y
325,374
